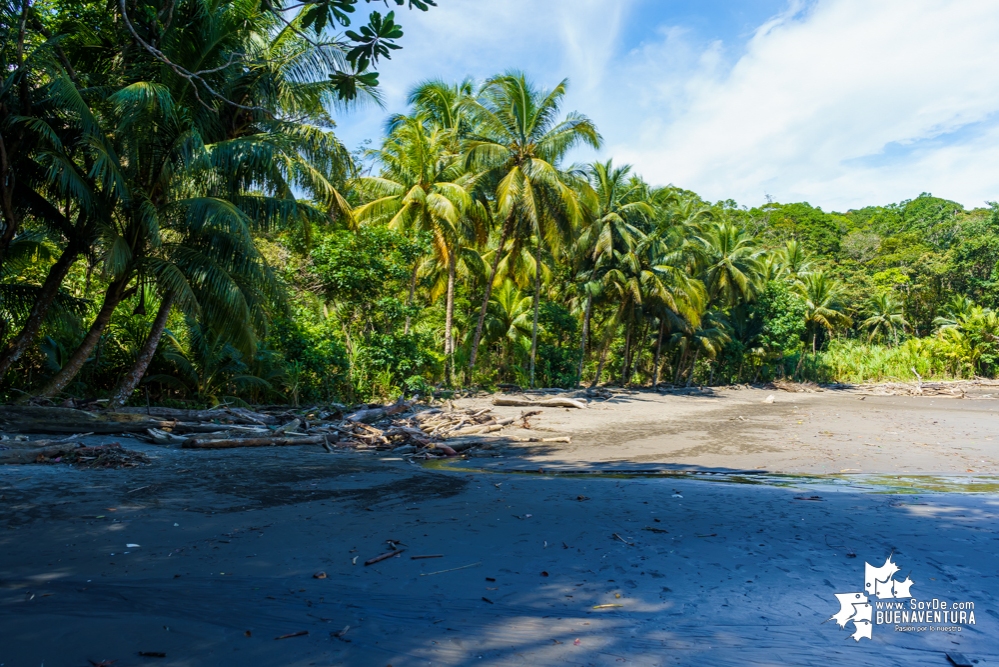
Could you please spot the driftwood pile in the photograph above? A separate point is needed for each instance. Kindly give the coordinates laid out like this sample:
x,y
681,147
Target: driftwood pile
x,y
405,428
69,450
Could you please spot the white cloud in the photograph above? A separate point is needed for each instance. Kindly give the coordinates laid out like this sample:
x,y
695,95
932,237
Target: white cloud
x,y
842,103
818,91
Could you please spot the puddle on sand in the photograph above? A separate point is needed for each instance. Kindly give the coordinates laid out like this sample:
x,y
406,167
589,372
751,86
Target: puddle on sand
x,y
893,484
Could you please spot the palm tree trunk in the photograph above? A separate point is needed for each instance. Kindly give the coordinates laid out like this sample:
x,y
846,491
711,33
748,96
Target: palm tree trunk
x,y
603,359
636,349
586,334
130,380
46,297
412,291
449,318
12,221
627,351
537,307
693,365
659,350
507,226
112,297
679,365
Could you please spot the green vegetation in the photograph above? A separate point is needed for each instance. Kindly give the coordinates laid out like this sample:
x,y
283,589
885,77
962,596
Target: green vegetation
x,y
181,224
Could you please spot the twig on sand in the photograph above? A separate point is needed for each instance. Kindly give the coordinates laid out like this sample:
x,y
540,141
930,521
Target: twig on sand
x,y
378,559
463,567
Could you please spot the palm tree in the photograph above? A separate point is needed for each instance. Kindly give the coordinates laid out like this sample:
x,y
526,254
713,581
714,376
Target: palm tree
x,y
76,165
195,170
794,258
710,337
210,369
729,262
420,190
444,106
886,317
621,204
823,296
515,148
508,322
954,312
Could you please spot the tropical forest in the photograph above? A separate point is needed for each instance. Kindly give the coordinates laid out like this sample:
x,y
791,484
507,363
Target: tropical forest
x,y
182,226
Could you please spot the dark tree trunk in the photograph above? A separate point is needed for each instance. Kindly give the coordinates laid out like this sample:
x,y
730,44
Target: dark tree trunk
x,y
636,350
449,318
412,291
537,306
112,297
586,334
12,221
46,297
130,380
693,365
627,354
682,356
603,360
507,225
659,351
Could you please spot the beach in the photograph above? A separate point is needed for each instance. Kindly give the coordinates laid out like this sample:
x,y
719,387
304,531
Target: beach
x,y
671,530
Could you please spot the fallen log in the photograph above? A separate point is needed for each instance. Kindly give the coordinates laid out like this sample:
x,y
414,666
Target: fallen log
x,y
30,455
547,402
374,414
195,443
239,415
181,427
94,427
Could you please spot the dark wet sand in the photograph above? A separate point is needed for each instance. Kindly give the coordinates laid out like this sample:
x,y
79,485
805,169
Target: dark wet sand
x,y
744,574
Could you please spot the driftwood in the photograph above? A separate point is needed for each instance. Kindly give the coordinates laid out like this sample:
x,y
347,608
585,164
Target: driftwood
x,y
31,454
235,415
385,556
196,443
374,414
401,428
547,402
95,427
189,427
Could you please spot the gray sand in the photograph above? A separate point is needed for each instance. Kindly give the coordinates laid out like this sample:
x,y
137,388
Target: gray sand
x,y
744,575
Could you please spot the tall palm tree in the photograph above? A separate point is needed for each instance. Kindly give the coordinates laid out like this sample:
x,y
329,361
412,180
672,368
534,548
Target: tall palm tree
x,y
823,296
421,189
885,318
730,263
76,167
621,205
195,168
508,322
515,149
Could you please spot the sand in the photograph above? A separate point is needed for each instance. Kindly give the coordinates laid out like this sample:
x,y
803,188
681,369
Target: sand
x,y
709,571
820,433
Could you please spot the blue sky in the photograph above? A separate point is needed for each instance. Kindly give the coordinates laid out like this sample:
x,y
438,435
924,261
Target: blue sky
x,y
841,103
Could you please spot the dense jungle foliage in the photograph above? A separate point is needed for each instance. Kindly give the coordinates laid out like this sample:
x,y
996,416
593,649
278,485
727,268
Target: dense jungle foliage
x,y
181,224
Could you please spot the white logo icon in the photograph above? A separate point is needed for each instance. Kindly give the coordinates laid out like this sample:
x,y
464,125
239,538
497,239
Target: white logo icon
x,y
878,581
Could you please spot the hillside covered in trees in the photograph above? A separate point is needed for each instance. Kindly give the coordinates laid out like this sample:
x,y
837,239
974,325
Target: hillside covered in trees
x,y
181,224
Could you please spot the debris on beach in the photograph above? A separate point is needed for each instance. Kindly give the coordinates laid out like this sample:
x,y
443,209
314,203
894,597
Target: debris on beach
x,y
71,451
407,428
